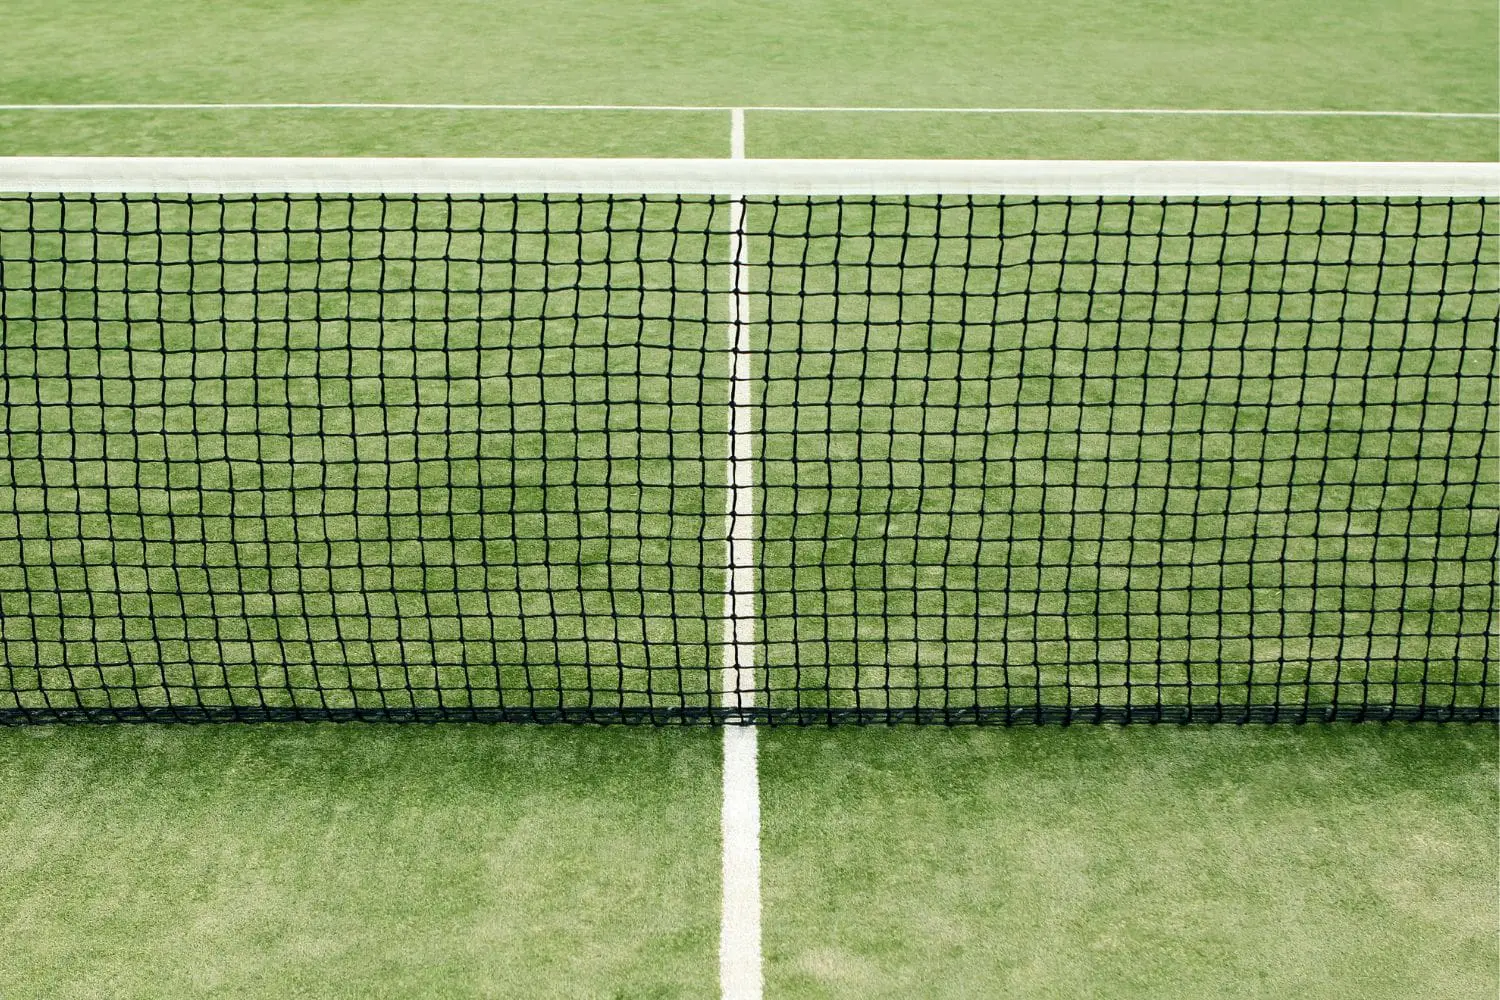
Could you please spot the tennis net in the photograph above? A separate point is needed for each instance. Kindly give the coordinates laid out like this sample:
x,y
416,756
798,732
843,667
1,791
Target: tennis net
x,y
769,441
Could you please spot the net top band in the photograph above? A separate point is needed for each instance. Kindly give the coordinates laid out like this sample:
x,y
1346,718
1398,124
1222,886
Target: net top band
x,y
1070,178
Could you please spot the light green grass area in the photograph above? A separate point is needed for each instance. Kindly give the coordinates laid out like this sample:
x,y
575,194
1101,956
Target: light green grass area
x,y
1343,862
1190,53
365,861
1408,55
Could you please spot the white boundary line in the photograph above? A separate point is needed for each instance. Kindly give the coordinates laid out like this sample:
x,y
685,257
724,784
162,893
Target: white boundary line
x,y
449,175
740,976
787,108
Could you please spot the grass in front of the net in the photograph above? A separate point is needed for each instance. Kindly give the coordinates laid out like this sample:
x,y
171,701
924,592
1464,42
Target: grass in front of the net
x,y
1202,457
1346,862
358,862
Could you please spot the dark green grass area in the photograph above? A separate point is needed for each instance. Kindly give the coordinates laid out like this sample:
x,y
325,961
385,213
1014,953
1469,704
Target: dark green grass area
x,y
465,457
1419,55
296,455
1334,862
367,132
357,861
363,132
1047,457
1118,137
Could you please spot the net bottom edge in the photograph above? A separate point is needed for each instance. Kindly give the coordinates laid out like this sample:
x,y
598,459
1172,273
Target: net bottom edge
x,y
773,716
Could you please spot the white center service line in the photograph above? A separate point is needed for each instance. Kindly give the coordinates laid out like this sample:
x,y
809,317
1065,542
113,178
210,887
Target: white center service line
x,y
740,976
789,108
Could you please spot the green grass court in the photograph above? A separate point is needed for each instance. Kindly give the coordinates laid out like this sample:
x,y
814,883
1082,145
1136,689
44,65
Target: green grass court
x,y
499,861
475,861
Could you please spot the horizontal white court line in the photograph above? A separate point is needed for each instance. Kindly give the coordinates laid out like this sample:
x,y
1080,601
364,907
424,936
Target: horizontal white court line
x,y
792,108
436,175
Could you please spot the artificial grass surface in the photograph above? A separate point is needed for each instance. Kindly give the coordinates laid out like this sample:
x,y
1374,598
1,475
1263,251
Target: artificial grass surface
x,y
362,861
1332,862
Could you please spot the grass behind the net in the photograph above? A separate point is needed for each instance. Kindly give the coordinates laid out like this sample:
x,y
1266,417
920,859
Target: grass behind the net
x,y
448,453
352,454
1201,454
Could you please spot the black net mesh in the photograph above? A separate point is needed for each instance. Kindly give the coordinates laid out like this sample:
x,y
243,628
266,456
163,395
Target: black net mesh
x,y
1030,459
